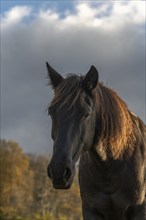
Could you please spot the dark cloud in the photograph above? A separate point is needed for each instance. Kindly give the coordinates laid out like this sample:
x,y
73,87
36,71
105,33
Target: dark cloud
x,y
118,52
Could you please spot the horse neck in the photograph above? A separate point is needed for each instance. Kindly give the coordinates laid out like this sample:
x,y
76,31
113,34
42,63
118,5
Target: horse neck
x,y
114,126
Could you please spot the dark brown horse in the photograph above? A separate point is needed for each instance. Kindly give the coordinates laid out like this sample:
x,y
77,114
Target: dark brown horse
x,y
92,122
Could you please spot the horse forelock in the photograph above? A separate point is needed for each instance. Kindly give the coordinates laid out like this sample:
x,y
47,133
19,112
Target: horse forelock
x,y
68,92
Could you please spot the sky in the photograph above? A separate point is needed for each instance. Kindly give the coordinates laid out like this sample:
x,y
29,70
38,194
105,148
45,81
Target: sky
x,y
71,36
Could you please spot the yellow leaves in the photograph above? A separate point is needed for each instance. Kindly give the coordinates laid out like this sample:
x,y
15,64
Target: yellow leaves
x,y
15,177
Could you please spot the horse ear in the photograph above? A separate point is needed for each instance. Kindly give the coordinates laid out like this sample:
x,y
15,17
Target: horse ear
x,y
55,77
91,79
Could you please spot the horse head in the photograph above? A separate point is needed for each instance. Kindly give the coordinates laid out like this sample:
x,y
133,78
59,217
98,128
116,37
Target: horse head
x,y
73,122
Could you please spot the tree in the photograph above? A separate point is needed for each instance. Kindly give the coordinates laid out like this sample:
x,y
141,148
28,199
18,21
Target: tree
x,y
16,180
58,204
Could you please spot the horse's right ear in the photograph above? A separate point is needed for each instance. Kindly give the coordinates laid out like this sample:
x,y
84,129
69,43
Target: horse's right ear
x,y
91,79
55,77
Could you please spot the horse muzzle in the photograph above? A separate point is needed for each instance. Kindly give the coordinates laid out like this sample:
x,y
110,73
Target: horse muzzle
x,y
62,179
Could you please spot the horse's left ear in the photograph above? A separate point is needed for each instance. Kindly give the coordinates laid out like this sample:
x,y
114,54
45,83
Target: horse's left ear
x,y
91,79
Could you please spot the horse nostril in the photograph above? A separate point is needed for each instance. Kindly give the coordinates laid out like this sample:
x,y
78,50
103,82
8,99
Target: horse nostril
x,y
67,173
50,175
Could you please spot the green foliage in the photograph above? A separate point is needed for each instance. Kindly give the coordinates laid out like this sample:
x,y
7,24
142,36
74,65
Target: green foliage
x,y
27,193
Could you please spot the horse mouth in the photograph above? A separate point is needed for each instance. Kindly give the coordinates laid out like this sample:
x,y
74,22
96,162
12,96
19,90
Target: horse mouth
x,y
62,186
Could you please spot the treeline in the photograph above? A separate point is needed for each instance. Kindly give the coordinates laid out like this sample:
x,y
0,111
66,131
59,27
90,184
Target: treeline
x,y
26,193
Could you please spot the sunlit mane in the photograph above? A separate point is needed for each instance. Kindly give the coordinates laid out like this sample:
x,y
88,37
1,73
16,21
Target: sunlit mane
x,y
116,122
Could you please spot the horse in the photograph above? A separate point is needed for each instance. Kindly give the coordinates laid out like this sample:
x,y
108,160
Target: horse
x,y
92,124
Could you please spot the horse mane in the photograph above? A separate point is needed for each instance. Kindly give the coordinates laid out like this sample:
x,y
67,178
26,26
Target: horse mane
x,y
117,132
116,122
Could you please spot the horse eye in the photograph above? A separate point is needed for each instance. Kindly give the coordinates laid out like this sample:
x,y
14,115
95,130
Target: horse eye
x,y
86,116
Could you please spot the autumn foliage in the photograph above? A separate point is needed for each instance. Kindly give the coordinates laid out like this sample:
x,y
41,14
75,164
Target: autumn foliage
x,y
26,193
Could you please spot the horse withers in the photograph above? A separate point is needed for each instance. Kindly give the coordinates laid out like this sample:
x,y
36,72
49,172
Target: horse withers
x,y
90,121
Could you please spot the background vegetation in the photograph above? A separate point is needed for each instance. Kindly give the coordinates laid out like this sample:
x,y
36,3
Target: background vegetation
x,y
26,193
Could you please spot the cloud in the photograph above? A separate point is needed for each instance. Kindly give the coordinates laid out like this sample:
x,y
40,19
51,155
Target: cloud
x,y
15,15
109,15
109,35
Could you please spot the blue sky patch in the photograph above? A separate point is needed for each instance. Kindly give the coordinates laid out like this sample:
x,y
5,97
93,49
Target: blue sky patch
x,y
61,6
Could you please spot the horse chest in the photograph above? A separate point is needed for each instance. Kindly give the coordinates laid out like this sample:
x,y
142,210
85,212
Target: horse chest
x,y
106,182
106,179
99,184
